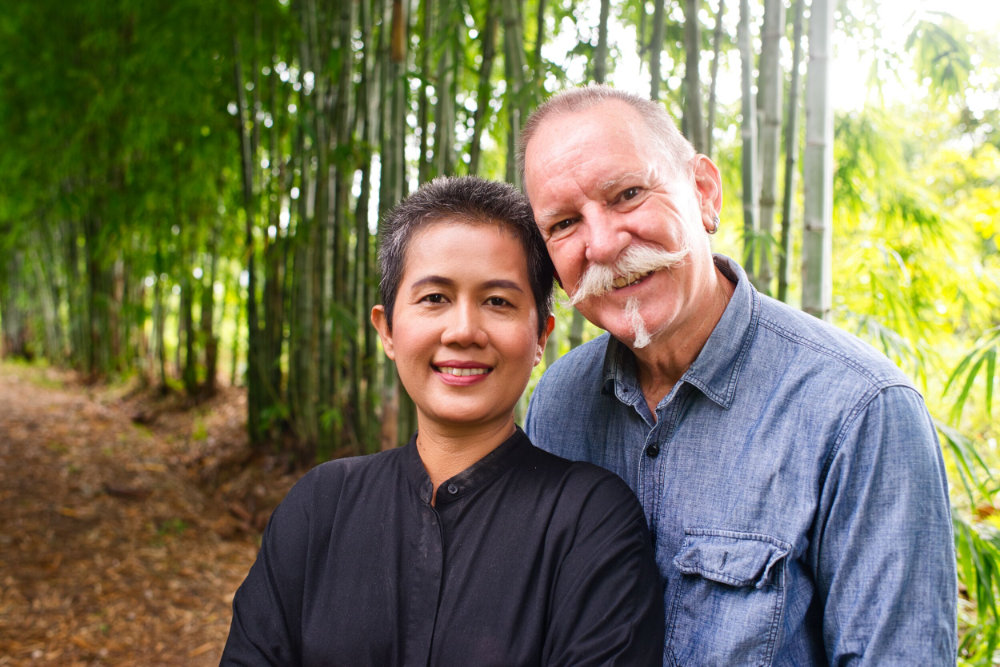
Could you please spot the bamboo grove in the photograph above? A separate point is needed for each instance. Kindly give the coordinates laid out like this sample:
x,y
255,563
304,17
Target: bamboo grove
x,y
191,190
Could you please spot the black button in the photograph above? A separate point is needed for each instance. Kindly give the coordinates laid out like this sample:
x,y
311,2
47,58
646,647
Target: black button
x,y
653,451
452,489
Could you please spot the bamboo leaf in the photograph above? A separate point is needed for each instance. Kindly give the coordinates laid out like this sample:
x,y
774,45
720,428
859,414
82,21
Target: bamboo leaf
x,y
974,473
983,355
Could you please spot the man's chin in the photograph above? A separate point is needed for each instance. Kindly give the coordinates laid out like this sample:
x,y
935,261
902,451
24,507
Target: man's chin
x,y
621,330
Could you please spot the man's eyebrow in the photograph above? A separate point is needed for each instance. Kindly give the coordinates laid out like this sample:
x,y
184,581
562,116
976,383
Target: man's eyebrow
x,y
614,183
551,214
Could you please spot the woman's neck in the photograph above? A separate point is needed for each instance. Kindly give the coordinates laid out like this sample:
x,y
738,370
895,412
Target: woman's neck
x,y
446,451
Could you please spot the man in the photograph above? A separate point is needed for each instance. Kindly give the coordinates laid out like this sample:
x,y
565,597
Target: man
x,y
790,474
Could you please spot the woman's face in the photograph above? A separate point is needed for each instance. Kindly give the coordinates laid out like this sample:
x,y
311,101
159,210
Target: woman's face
x,y
465,328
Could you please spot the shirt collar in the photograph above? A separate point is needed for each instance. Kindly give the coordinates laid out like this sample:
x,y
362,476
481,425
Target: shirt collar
x,y
476,476
716,369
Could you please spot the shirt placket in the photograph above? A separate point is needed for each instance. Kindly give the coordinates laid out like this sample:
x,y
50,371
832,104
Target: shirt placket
x,y
653,459
425,587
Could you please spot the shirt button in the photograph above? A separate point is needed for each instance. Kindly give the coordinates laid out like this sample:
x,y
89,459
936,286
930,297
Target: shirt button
x,y
452,489
653,451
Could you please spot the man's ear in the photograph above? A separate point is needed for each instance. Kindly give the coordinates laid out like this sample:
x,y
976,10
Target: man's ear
x,y
549,325
708,183
381,325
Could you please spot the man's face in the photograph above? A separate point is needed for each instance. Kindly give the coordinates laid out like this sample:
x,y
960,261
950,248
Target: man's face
x,y
599,184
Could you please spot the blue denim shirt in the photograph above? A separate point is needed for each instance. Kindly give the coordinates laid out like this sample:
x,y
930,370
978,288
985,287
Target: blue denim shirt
x,y
793,484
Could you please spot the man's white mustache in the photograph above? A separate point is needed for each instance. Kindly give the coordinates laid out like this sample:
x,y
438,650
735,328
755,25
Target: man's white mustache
x,y
635,262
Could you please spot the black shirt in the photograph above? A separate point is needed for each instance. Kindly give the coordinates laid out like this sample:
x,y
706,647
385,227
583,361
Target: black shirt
x,y
526,559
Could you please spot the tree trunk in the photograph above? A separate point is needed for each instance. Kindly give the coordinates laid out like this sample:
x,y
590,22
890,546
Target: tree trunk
x,y
254,372
423,103
655,50
791,158
537,61
209,341
488,37
366,378
444,113
14,335
514,68
398,416
694,123
601,54
749,134
716,48
817,165
770,87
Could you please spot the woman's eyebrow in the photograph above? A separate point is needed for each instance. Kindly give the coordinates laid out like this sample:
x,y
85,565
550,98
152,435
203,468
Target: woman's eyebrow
x,y
497,283
433,280
500,283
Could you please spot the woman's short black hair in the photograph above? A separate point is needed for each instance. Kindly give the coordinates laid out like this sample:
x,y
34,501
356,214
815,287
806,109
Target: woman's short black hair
x,y
465,200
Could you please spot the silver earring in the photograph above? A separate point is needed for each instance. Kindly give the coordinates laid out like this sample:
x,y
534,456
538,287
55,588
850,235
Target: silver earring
x,y
715,224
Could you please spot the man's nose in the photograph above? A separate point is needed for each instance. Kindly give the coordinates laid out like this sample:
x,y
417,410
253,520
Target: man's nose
x,y
464,327
607,237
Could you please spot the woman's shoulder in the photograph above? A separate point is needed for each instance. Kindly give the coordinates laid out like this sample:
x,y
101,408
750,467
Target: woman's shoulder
x,y
348,476
579,477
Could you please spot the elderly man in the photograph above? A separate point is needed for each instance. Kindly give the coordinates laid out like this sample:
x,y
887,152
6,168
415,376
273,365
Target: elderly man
x,y
790,474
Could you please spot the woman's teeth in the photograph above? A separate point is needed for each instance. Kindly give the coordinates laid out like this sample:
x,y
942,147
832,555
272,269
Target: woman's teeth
x,y
462,372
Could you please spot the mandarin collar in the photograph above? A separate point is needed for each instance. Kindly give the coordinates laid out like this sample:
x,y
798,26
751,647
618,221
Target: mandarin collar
x,y
480,474
716,369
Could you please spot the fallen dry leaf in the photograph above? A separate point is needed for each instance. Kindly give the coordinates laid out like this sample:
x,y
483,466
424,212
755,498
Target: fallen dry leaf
x,y
109,550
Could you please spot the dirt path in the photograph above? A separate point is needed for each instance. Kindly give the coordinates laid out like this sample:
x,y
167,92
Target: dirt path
x,y
110,553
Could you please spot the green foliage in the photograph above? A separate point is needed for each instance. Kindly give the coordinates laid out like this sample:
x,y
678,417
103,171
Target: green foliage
x,y
983,357
978,558
124,185
941,54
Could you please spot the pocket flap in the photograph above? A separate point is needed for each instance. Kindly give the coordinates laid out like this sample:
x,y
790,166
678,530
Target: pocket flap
x,y
730,557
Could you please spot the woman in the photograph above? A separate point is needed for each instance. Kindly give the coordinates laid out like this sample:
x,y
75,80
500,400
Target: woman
x,y
468,546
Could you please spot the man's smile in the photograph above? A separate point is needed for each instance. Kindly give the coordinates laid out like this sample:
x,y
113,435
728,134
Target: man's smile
x,y
629,279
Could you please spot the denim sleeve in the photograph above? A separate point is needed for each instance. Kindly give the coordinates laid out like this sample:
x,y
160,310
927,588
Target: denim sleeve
x,y
883,548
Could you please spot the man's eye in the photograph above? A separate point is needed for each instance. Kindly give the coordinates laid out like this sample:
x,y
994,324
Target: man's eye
x,y
630,193
561,225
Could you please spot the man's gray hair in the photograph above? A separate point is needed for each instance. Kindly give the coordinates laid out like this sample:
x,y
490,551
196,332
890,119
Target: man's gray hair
x,y
678,150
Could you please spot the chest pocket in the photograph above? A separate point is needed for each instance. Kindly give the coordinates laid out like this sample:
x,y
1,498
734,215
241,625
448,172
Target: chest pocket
x,y
726,603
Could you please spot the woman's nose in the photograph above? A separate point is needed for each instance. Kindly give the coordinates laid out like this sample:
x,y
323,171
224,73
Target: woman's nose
x,y
464,327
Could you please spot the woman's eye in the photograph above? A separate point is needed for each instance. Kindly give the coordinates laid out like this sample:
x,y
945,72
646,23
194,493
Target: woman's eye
x,y
432,298
497,301
630,193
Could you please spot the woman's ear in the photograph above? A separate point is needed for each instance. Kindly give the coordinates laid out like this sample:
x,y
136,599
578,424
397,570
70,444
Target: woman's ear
x,y
549,324
381,325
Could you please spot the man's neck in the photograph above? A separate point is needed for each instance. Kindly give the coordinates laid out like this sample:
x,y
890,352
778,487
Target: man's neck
x,y
661,364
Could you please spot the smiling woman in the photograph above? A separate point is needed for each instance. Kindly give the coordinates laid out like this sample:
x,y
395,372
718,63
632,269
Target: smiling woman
x,y
469,545
465,337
